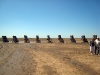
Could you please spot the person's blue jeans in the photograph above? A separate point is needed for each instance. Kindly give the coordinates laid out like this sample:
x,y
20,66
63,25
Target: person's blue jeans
x,y
95,50
98,50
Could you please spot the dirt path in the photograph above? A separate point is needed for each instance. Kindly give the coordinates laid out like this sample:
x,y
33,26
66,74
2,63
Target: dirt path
x,y
62,63
45,59
16,61
48,65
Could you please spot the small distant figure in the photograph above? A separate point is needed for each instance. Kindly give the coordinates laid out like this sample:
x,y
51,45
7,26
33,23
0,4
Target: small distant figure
x,y
15,39
72,38
60,39
84,38
49,39
26,40
37,39
92,46
97,46
5,39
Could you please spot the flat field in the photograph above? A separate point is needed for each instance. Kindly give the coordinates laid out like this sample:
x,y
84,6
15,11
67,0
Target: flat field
x,y
48,58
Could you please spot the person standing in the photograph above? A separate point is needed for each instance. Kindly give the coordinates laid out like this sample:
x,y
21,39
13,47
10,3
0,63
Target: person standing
x,y
92,46
96,45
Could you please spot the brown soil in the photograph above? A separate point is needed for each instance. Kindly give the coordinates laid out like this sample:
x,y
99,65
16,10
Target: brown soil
x,y
48,59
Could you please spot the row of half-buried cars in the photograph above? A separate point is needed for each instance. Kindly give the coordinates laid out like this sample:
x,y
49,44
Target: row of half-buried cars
x,y
26,39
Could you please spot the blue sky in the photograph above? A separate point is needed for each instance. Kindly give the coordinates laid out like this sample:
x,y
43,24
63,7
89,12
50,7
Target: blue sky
x,y
50,17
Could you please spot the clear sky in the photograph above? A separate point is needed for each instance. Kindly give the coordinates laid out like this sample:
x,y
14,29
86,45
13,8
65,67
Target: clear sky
x,y
50,17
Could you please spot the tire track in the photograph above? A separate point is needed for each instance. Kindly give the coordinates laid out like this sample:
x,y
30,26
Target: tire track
x,y
6,53
80,68
18,62
48,65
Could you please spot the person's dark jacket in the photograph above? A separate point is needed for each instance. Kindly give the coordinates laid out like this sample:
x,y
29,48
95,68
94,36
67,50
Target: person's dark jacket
x,y
92,43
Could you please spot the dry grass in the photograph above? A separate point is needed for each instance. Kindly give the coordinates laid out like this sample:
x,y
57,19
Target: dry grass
x,y
48,58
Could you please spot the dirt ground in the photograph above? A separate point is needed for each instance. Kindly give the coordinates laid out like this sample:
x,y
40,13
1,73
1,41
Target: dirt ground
x,y
48,59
